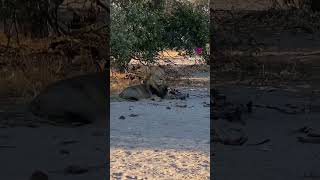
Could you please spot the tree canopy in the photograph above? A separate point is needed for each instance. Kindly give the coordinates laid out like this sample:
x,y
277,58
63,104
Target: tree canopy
x,y
139,29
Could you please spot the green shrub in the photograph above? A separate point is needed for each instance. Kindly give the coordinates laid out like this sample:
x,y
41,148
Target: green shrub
x,y
139,31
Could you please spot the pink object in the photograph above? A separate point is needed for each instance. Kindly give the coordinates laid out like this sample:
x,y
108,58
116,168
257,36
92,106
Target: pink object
x,y
198,51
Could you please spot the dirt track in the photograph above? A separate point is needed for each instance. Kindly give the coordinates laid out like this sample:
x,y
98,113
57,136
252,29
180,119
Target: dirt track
x,y
161,140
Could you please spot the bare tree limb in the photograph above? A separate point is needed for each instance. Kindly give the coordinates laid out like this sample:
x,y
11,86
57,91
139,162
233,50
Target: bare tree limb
x,y
16,28
95,30
101,4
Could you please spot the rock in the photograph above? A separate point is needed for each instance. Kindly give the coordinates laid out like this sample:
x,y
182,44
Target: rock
x,y
39,175
228,134
74,169
176,94
67,142
64,152
133,115
182,105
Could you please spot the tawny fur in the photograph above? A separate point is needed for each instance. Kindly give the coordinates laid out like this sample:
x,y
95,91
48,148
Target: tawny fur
x,y
79,99
154,85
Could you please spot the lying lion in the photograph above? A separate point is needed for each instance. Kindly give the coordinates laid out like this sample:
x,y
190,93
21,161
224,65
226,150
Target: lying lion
x,y
81,99
154,86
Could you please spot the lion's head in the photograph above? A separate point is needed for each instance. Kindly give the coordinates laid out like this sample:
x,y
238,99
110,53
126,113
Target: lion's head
x,y
157,81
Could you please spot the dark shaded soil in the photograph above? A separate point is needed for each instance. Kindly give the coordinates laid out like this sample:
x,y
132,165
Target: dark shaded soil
x,y
273,149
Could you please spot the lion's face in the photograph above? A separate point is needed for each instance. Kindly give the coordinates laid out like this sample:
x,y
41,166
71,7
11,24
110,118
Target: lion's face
x,y
157,78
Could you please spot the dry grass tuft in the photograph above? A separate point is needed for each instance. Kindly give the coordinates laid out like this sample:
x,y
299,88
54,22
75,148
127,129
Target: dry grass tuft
x,y
27,68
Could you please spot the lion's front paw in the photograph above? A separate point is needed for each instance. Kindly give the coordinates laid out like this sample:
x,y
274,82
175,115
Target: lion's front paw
x,y
155,98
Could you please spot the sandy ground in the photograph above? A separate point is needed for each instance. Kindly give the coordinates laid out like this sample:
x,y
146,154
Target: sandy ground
x,y
283,157
177,60
50,149
161,140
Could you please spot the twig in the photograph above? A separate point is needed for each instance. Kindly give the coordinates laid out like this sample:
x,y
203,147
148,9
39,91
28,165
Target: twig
x,y
260,143
92,167
310,140
95,30
4,146
276,108
9,35
16,28
101,4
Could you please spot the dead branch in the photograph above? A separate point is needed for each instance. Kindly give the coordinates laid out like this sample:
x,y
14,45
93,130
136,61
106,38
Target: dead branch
x,y
102,5
95,30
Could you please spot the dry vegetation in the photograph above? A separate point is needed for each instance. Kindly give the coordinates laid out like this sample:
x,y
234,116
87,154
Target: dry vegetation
x,y
30,66
76,43
263,45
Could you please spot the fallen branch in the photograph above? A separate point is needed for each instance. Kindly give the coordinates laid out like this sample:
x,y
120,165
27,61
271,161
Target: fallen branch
x,y
277,108
95,30
4,146
310,140
260,143
105,7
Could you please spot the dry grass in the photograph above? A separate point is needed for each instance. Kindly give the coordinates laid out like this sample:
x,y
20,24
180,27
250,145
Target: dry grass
x,y
119,81
247,4
169,54
242,4
34,44
28,67
252,70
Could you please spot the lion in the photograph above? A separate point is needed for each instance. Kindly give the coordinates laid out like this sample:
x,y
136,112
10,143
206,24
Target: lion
x,y
81,99
154,86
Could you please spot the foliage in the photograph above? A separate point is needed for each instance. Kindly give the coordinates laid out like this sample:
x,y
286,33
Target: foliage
x,y
135,33
186,28
140,31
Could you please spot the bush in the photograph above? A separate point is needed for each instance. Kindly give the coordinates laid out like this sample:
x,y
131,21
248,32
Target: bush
x,y
186,28
139,31
135,33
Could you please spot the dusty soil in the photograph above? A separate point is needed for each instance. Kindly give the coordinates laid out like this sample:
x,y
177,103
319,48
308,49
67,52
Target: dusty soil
x,y
52,150
277,115
28,144
166,132
169,139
